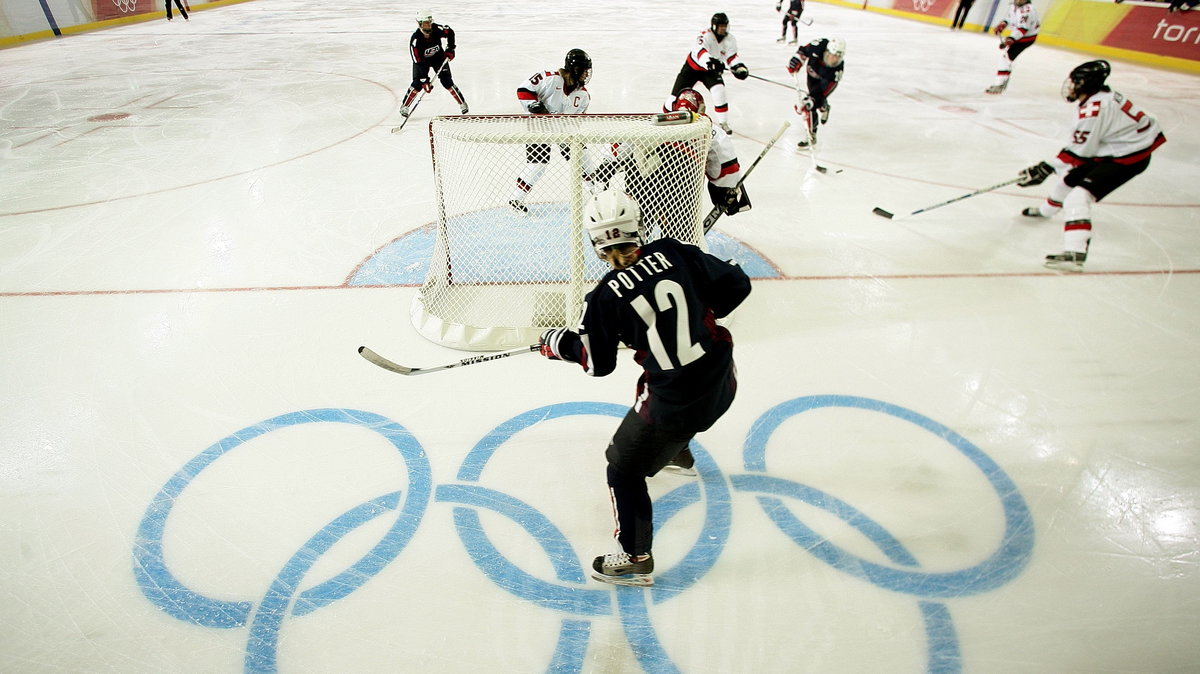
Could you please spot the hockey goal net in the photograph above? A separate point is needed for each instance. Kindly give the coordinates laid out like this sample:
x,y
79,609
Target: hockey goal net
x,y
511,256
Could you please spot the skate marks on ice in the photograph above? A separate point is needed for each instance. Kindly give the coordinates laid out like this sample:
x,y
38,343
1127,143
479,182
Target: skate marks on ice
x,y
575,603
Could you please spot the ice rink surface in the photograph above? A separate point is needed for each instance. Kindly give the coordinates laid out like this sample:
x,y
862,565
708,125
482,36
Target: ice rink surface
x,y
943,457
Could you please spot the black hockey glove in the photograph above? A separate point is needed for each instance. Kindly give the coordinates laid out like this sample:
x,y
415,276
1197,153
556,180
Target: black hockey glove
x,y
715,65
1035,175
741,72
548,344
537,108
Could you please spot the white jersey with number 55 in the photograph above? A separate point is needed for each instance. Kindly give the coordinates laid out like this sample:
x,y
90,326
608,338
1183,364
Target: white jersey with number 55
x,y
1108,126
548,87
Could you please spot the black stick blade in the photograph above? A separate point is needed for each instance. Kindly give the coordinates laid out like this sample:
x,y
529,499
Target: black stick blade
x,y
881,212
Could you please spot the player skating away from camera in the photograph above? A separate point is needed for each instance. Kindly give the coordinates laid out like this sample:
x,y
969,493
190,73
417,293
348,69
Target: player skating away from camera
x,y
823,61
715,50
795,9
429,55
1110,144
1022,24
561,92
662,300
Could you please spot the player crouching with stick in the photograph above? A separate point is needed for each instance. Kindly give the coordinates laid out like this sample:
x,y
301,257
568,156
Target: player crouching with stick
x,y
662,300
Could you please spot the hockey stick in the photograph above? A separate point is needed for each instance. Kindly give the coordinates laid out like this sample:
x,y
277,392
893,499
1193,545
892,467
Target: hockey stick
x,y
397,129
781,84
716,213
891,216
473,360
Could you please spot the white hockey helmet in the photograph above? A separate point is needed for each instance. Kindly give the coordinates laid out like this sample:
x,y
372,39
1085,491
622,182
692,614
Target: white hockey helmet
x,y
612,218
424,15
835,51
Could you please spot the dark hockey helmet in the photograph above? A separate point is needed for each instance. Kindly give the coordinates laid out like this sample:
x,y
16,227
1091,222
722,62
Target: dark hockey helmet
x,y
612,218
689,99
1086,79
579,65
719,19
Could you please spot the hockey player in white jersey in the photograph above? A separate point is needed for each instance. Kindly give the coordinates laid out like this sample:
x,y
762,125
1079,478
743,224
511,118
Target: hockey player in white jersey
x,y
1022,24
561,92
721,166
715,50
1111,143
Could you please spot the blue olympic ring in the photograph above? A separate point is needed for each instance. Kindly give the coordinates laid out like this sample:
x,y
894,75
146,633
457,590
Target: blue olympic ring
x,y
570,593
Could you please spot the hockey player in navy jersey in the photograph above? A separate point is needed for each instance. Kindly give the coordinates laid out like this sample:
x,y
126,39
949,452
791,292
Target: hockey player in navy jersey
x,y
662,300
823,61
1110,144
795,9
428,55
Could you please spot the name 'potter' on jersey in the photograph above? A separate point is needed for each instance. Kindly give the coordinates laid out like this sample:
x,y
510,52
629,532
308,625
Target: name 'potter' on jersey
x,y
665,307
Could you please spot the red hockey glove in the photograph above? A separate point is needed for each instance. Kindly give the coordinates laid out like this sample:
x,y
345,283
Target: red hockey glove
x,y
427,85
1000,27
450,55
794,65
548,344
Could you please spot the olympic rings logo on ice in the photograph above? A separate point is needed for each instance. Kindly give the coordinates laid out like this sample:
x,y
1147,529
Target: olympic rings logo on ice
x,y
571,593
127,6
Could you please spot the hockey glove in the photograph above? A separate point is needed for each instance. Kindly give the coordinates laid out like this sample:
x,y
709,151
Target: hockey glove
x,y
1007,42
427,85
794,65
1000,27
548,344
1035,175
741,72
450,55
537,108
779,7
715,65
808,103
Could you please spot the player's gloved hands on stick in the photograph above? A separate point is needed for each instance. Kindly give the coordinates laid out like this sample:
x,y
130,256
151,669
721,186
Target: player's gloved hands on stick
x,y
548,343
808,103
794,65
450,55
427,85
715,65
741,72
537,108
1035,175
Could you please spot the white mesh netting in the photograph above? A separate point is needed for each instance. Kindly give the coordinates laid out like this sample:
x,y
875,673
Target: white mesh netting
x,y
500,275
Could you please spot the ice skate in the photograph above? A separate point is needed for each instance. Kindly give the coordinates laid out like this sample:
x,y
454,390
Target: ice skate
x,y
620,569
1066,261
1032,212
518,206
793,40
725,127
781,40
682,464
404,111
464,108
997,88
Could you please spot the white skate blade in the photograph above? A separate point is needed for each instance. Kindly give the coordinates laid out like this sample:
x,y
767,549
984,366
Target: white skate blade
x,y
679,470
631,579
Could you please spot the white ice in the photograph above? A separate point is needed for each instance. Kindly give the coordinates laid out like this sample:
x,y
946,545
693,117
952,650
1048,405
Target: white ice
x,y
943,457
